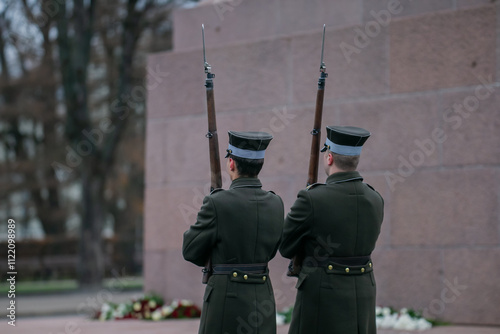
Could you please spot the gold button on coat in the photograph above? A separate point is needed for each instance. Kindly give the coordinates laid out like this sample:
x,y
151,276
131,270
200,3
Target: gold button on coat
x,y
235,274
245,276
370,264
330,267
264,278
362,270
346,270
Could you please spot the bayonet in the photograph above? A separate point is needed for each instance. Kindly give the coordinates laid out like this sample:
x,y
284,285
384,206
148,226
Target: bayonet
x,y
208,68
322,67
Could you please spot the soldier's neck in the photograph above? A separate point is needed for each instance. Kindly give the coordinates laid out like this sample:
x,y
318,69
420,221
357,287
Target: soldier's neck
x,y
234,175
244,177
334,169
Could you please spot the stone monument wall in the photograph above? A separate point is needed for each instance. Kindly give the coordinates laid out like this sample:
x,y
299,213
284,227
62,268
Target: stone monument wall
x,y
422,76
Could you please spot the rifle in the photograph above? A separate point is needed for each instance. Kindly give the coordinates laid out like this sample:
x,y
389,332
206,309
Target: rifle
x,y
213,143
296,263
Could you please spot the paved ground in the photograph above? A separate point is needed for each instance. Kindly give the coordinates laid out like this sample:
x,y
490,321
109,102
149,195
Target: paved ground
x,y
73,303
57,314
79,325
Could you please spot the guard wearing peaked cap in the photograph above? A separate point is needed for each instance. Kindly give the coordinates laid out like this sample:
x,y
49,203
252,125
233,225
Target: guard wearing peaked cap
x,y
240,228
335,226
345,140
248,145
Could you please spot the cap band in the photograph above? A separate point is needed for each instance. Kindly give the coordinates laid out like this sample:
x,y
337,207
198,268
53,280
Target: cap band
x,y
342,149
247,154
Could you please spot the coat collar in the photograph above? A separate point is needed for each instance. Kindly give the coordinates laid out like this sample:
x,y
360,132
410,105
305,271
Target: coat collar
x,y
245,182
344,177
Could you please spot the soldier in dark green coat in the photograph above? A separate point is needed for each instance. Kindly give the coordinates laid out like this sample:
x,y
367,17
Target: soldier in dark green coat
x,y
241,229
334,227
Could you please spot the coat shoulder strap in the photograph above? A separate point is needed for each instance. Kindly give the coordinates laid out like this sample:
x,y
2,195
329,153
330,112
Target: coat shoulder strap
x,y
216,190
314,185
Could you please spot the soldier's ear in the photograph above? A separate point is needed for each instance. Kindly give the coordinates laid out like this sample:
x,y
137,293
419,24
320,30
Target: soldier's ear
x,y
330,159
231,165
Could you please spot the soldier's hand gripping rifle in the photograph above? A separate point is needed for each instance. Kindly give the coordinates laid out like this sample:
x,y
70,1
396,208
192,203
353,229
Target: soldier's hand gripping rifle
x,y
213,143
296,262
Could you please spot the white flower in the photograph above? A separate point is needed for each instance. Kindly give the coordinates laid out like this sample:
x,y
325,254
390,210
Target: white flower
x,y
167,310
122,308
401,321
423,324
388,321
106,311
137,306
152,304
157,315
105,308
116,314
280,319
386,311
185,302
405,322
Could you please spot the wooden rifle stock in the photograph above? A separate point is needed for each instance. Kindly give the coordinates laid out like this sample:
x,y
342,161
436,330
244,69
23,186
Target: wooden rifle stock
x,y
316,134
213,140
296,263
213,144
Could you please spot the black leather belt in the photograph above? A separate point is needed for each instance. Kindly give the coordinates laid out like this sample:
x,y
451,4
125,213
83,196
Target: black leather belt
x,y
357,265
311,261
253,268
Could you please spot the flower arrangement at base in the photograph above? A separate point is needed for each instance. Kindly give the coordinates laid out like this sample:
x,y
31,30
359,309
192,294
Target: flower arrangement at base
x,y
386,318
149,307
389,318
284,317
180,308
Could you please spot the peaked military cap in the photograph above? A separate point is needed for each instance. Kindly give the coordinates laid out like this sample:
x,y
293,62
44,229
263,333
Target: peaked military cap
x,y
345,140
248,145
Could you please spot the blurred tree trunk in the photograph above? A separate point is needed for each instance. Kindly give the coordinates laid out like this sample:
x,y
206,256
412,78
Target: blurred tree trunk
x,y
52,216
96,160
6,88
74,57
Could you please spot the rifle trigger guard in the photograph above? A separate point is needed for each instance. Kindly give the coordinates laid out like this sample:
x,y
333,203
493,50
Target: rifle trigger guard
x,y
315,132
209,135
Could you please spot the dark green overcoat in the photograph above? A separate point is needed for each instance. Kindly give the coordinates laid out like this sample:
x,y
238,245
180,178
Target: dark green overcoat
x,y
242,225
339,219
